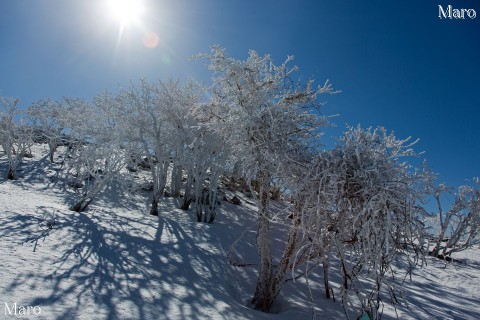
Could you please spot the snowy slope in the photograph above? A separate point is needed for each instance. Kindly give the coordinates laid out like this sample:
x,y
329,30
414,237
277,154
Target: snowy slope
x,y
117,262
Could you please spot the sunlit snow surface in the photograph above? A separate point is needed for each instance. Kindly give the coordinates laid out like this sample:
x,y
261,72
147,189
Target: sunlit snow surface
x,y
117,262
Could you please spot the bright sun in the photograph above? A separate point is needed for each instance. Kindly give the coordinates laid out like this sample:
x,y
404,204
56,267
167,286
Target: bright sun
x,y
126,11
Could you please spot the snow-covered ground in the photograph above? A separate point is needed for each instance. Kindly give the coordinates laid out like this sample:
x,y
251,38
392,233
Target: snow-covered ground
x,y
117,262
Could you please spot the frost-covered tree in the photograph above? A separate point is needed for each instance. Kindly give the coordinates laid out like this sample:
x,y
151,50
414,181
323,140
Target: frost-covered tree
x,y
46,116
362,208
78,119
459,226
15,134
96,156
159,121
149,134
268,121
164,121
178,111
99,164
202,154
207,155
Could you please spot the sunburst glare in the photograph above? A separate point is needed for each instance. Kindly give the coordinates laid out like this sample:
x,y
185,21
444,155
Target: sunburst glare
x,y
126,11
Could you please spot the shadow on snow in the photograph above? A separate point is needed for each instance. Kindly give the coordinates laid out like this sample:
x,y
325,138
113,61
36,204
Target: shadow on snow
x,y
128,267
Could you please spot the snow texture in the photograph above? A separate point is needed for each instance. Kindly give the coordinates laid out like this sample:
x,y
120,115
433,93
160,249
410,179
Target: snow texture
x,y
115,261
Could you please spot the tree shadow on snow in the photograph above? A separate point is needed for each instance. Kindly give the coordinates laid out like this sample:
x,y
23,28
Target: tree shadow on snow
x,y
116,267
425,299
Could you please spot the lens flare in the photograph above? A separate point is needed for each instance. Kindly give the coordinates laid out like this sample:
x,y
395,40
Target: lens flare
x,y
151,40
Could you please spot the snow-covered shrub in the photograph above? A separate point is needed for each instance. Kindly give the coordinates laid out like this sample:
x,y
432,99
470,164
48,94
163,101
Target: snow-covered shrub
x,y
16,135
97,157
207,155
148,134
360,205
98,165
46,116
458,228
162,130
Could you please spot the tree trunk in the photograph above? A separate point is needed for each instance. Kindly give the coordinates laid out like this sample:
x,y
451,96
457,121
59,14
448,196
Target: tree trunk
x,y
443,227
82,205
176,180
345,274
198,209
154,207
77,207
325,279
159,174
187,200
278,277
263,298
11,174
438,244
52,148
211,207
187,197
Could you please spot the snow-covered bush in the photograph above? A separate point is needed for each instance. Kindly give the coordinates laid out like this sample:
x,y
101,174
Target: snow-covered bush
x,y
148,134
46,116
161,130
96,157
361,207
458,228
207,161
16,135
99,165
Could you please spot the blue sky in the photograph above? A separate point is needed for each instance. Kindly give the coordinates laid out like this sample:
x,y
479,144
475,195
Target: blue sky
x,y
398,65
